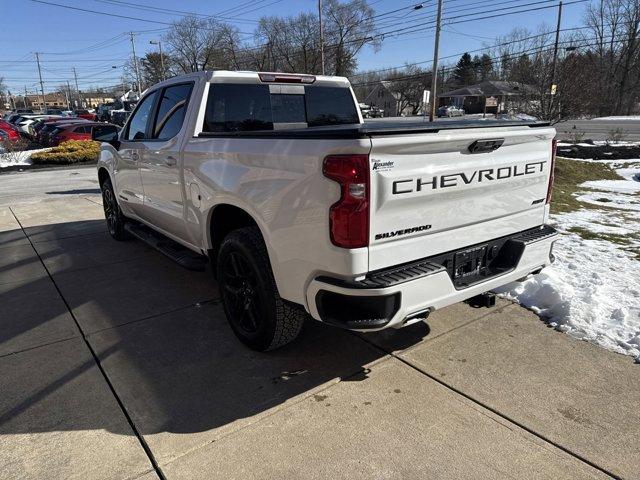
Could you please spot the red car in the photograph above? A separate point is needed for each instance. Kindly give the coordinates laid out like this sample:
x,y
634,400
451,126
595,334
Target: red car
x,y
43,130
85,114
12,132
76,131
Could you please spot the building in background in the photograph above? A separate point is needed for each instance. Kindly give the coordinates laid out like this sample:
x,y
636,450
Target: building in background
x,y
384,97
498,96
52,100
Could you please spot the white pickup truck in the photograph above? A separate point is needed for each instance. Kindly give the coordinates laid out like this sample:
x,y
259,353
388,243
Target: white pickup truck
x,y
303,209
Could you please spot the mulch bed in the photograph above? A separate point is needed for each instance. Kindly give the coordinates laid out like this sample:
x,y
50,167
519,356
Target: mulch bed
x,y
599,152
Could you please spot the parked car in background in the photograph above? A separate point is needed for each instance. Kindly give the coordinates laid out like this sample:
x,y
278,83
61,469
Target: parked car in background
x,y
25,125
74,131
23,110
119,117
52,111
102,112
49,131
13,117
85,114
3,138
450,111
45,126
369,111
9,130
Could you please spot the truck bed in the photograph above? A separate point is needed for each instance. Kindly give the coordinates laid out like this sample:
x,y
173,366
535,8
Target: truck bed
x,y
378,128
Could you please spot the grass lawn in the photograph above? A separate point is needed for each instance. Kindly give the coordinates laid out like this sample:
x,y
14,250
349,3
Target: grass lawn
x,y
571,173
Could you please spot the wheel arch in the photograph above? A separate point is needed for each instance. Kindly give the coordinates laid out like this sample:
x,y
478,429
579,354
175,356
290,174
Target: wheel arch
x,y
103,174
223,218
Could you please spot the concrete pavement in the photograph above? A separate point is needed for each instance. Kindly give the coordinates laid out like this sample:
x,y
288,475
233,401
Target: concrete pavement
x,y
116,363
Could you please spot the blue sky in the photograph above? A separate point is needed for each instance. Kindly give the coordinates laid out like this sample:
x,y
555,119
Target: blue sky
x,y
63,34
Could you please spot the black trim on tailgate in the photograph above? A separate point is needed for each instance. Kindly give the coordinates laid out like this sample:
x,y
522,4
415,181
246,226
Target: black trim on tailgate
x,y
488,259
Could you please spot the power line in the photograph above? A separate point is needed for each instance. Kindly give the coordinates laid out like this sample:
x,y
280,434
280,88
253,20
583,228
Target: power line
x,y
126,17
537,49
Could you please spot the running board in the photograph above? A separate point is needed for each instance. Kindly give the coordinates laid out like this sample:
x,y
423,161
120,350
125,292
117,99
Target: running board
x,y
176,252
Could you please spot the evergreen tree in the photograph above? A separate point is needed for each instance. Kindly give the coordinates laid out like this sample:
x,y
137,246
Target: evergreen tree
x,y
464,72
483,67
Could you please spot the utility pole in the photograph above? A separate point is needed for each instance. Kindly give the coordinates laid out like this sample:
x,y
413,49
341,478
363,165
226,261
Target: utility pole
x,y
44,106
321,36
434,67
11,100
75,76
69,96
24,99
135,64
555,51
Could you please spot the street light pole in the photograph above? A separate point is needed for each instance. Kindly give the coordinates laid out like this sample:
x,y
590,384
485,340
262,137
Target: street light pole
x,y
434,67
159,43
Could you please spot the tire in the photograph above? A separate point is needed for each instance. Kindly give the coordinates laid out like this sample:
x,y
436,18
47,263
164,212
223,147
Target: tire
x,y
256,313
112,212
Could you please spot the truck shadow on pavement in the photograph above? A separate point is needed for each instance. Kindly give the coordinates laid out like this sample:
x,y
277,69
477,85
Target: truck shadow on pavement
x,y
161,338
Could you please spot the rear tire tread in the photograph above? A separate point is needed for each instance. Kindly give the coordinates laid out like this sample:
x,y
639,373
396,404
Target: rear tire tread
x,y
289,318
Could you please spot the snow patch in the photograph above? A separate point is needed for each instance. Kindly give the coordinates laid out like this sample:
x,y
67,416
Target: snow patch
x,y
621,186
591,292
619,117
18,158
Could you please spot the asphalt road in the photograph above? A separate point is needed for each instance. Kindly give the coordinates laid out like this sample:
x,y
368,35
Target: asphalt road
x,y
47,184
599,129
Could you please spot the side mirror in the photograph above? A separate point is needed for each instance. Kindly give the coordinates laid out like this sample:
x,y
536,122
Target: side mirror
x,y
107,134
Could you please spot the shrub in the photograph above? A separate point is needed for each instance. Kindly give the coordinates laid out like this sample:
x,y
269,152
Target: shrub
x,y
615,135
72,151
576,136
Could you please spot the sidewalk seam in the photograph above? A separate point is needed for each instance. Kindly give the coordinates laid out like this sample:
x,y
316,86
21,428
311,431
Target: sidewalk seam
x,y
96,359
495,411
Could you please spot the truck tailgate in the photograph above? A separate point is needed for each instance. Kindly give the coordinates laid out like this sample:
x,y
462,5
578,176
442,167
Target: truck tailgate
x,y
431,193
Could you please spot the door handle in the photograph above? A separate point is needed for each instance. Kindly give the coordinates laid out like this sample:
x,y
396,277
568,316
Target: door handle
x,y
170,161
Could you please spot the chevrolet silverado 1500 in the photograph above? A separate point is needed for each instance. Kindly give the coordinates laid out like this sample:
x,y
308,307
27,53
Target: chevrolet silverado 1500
x,y
302,209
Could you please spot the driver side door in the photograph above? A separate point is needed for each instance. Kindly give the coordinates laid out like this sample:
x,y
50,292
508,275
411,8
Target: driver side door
x,y
128,186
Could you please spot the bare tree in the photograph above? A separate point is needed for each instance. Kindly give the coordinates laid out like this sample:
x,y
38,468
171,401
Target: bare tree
x,y
289,44
613,37
409,85
349,27
202,44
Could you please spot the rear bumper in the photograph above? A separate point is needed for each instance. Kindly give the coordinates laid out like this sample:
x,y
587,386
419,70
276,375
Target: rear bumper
x,y
399,296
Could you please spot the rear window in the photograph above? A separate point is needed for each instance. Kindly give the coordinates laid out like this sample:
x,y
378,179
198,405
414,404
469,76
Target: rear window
x,y
247,107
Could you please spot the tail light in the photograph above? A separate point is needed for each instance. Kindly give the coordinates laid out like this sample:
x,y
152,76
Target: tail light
x,y
554,144
349,216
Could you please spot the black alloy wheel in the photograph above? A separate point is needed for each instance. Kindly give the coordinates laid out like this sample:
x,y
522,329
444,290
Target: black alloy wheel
x,y
112,213
241,290
257,314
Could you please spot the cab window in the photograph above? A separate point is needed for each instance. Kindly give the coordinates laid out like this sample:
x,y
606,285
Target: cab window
x,y
171,111
137,129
